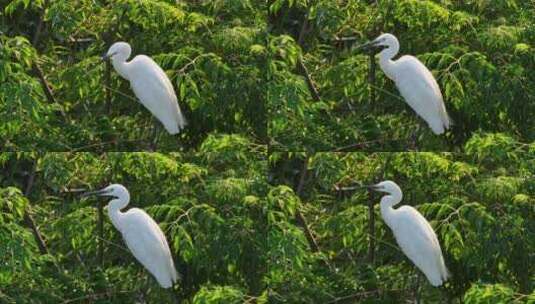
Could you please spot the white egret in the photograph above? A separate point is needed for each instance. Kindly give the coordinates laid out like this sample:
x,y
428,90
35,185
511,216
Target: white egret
x,y
414,81
413,233
150,84
142,235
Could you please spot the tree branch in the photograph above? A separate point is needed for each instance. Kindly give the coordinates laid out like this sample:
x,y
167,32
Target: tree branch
x,y
299,216
304,72
28,219
97,296
35,66
38,29
360,295
300,64
101,233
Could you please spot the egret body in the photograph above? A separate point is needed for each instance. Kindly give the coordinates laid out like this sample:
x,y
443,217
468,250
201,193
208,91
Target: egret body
x,y
142,235
415,83
413,234
150,84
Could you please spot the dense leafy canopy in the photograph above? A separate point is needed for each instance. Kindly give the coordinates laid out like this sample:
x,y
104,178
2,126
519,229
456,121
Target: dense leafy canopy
x,y
213,52
211,206
479,203
245,225
481,53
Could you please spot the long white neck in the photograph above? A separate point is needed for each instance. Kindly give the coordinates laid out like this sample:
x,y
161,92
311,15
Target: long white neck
x,y
385,60
120,65
387,204
114,209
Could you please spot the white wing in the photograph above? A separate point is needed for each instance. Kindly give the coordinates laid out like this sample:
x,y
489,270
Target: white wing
x,y
149,246
420,90
155,91
420,244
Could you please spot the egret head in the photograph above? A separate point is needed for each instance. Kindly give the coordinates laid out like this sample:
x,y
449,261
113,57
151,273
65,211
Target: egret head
x,y
113,190
384,41
118,51
386,186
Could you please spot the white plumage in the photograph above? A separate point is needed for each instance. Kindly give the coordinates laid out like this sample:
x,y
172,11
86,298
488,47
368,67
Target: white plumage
x,y
150,84
415,83
413,234
142,235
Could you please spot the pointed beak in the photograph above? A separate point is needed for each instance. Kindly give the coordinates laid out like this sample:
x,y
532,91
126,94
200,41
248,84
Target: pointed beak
x,y
373,187
366,46
105,56
354,187
92,193
369,46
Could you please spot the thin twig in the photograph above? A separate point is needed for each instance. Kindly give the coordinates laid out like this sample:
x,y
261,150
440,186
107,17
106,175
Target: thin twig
x,y
114,244
364,144
359,295
97,296
121,93
192,62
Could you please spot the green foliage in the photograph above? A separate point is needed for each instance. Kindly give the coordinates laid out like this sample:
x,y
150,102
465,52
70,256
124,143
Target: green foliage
x,y
479,52
211,206
211,50
480,207
496,293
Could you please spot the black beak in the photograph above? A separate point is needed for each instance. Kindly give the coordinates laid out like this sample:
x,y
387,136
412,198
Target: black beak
x,y
373,187
350,188
366,46
98,192
105,56
369,46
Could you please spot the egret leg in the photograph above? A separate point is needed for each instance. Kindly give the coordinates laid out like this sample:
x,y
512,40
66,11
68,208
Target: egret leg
x,y
156,132
413,145
417,288
144,288
173,296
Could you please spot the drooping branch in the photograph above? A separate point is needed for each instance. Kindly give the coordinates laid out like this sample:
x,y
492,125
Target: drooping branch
x,y
39,27
299,216
36,69
302,69
28,218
